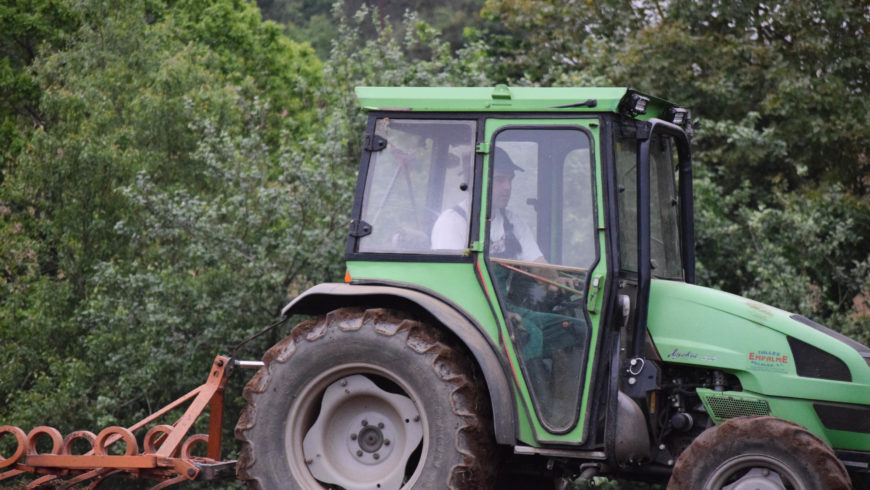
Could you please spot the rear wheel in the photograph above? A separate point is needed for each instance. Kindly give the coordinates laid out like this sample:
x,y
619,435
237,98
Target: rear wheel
x,y
365,400
758,453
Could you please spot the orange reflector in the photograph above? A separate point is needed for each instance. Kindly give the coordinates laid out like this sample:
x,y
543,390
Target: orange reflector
x,y
347,276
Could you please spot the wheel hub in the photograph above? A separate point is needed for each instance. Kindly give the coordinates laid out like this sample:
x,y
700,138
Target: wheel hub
x,y
758,479
370,439
753,472
363,436
373,444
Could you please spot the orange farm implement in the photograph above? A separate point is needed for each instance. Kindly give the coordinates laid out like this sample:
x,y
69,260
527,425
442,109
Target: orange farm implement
x,y
165,455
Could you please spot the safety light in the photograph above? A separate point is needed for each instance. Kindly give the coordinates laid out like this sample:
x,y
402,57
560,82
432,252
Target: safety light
x,y
678,116
638,103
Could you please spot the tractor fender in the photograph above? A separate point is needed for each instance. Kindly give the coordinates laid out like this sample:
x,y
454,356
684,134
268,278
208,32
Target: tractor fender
x,y
326,297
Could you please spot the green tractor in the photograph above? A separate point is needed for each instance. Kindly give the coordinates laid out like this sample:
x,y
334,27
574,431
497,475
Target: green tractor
x,y
520,301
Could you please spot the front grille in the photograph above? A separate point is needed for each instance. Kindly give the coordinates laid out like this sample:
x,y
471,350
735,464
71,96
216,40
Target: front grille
x,y
728,407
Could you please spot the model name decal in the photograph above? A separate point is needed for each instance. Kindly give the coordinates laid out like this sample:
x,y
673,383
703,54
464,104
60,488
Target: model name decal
x,y
676,354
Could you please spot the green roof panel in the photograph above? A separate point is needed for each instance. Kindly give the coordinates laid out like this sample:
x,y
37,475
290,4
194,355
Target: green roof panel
x,y
494,99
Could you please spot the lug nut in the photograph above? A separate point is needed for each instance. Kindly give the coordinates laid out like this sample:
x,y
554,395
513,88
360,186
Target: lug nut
x,y
386,442
359,452
380,425
376,456
353,437
365,422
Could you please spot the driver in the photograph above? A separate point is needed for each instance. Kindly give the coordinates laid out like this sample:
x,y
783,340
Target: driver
x,y
509,237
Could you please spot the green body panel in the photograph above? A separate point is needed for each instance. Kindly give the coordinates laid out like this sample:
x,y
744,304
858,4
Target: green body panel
x,y
454,281
497,99
703,327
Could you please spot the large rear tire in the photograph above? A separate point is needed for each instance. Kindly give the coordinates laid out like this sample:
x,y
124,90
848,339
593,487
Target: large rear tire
x,y
365,400
764,453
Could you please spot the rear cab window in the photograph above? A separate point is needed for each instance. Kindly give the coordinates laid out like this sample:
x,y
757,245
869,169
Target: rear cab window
x,y
418,187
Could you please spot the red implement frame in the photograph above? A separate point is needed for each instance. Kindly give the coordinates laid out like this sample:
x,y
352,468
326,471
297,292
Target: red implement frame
x,y
166,456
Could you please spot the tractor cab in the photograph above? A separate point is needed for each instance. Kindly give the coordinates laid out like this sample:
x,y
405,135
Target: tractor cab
x,y
523,206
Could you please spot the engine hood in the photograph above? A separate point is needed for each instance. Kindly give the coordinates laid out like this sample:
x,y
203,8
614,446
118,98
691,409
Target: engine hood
x,y
771,351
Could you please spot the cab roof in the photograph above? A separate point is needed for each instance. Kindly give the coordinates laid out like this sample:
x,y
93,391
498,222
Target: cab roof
x,y
501,98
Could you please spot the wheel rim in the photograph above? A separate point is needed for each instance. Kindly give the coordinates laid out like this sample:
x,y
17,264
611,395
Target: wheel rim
x,y
754,472
347,431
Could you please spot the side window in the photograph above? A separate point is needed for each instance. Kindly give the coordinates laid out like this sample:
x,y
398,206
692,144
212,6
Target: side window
x,y
665,254
542,180
626,179
664,209
577,246
424,172
518,158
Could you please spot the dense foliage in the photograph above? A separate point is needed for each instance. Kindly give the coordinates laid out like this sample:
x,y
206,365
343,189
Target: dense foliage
x,y
174,171
143,197
312,21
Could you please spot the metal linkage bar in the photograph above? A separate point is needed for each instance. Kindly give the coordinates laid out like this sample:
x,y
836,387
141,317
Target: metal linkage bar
x,y
166,455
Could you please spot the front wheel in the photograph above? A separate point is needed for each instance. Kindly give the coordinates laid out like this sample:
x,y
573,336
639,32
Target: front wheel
x,y
365,400
752,453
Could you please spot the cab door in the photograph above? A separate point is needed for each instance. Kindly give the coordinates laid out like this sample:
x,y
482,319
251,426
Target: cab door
x,y
543,248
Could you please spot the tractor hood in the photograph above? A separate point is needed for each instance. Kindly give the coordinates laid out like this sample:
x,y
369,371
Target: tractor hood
x,y
771,351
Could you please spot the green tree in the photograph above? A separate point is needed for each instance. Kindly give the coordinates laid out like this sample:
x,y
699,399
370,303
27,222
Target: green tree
x,y
790,76
128,91
27,27
312,20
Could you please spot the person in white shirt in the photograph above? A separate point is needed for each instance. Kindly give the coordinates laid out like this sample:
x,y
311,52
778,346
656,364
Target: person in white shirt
x,y
509,237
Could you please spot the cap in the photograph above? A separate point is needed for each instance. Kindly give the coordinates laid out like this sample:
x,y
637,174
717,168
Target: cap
x,y
502,162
